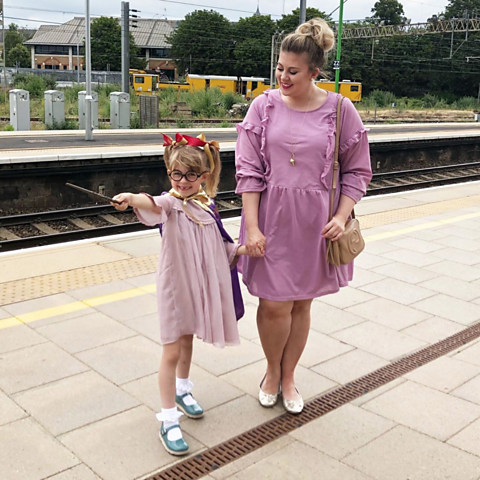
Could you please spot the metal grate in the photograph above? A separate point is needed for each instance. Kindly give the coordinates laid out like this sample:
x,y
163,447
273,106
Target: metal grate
x,y
216,457
148,111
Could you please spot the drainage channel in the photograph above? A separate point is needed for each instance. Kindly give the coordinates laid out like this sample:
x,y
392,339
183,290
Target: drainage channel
x,y
212,459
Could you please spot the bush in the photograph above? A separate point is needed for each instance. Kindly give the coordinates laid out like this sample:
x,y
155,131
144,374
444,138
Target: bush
x,y
65,125
9,128
34,84
207,103
467,103
382,98
229,99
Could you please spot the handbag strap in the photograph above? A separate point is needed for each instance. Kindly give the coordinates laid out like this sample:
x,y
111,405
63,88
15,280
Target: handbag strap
x,y
336,164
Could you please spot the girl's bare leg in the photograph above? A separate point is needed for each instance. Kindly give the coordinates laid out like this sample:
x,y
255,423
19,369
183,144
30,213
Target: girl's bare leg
x,y
185,361
294,347
274,322
166,373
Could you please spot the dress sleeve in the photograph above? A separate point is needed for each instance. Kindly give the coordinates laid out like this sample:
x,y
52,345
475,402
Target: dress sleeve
x,y
248,156
354,153
162,206
231,249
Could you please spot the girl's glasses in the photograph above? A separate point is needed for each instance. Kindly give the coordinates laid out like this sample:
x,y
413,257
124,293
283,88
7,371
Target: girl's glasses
x,y
177,175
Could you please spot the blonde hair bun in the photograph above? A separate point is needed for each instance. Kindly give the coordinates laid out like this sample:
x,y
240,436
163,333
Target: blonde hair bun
x,y
318,29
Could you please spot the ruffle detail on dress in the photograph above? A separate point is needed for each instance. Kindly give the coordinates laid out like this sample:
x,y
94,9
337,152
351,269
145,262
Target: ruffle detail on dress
x,y
256,129
330,147
353,140
264,123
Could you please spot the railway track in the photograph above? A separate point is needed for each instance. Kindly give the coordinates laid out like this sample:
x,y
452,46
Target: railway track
x,y
59,226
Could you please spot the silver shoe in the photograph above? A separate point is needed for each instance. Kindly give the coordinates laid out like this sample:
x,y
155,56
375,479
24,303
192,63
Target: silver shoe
x,y
267,400
293,406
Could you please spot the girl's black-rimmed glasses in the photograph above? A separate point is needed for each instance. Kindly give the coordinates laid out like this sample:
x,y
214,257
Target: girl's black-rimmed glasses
x,y
177,176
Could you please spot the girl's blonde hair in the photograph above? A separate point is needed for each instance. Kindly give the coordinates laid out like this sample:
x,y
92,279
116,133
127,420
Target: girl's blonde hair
x,y
196,159
315,38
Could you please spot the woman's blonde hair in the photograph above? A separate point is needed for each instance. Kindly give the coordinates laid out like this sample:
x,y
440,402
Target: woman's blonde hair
x,y
315,38
196,159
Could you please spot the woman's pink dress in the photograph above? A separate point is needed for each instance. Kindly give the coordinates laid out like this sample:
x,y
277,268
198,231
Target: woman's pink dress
x,y
194,285
294,200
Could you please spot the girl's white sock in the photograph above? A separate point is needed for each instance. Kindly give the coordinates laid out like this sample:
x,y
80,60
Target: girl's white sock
x,y
169,417
183,386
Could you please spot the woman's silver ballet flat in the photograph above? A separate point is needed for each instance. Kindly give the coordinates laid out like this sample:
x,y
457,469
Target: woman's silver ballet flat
x,y
293,406
267,400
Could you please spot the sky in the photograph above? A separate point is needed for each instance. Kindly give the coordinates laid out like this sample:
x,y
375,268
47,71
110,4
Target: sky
x,y
30,13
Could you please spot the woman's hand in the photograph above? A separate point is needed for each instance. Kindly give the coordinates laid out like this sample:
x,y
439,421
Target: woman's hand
x,y
125,199
256,243
334,229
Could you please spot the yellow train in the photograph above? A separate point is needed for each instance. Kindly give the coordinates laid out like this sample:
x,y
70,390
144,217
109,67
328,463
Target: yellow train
x,y
250,87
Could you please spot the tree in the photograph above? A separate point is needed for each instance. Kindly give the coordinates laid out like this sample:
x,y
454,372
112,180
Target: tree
x,y
461,8
253,40
106,46
388,11
202,44
288,23
19,56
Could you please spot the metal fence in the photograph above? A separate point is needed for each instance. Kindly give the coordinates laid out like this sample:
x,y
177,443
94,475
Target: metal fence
x,y
64,76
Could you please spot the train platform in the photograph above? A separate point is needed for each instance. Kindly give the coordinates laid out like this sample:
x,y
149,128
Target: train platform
x,y
391,371
47,145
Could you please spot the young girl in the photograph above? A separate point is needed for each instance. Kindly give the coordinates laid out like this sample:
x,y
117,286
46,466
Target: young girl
x,y
194,281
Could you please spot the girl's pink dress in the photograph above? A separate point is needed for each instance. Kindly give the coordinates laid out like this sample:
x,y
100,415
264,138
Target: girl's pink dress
x,y
295,199
194,286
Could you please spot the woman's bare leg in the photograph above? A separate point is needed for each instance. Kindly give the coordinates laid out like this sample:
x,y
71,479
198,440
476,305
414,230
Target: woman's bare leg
x,y
294,347
273,321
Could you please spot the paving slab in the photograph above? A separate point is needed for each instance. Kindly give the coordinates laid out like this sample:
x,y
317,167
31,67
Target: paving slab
x,y
403,454
466,244
409,257
123,447
146,390
9,410
468,439
468,353
424,409
346,297
459,256
74,402
34,366
460,232
247,326
80,472
368,261
453,287
400,292
130,308
148,326
321,347
252,458
350,366
470,390
343,431
240,415
450,308
299,461
125,360
17,337
444,374
222,360
388,313
137,247
455,270
433,329
142,280
86,332
29,453
328,319
405,273
378,340
377,392
417,245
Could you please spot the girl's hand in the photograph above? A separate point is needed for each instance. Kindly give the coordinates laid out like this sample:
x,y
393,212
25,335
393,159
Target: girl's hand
x,y
124,198
334,229
256,243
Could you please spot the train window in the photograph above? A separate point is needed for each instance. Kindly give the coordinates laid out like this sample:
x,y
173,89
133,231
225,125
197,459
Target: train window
x,y
207,83
254,85
139,80
354,88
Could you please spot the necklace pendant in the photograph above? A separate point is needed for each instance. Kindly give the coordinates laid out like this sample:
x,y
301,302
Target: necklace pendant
x,y
292,161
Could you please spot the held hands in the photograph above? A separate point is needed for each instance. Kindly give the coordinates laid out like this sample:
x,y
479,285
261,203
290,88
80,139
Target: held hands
x,y
334,229
256,243
125,198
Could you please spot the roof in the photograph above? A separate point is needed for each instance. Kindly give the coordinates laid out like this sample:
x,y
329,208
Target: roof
x,y
150,33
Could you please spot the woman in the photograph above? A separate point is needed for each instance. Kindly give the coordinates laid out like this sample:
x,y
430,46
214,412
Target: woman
x,y
284,159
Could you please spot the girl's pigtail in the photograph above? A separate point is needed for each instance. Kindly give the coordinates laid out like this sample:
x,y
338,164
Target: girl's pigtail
x,y
167,153
213,179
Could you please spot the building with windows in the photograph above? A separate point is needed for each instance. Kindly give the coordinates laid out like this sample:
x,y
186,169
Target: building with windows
x,y
60,47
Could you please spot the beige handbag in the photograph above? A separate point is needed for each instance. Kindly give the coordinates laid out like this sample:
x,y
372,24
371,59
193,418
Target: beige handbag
x,y
351,243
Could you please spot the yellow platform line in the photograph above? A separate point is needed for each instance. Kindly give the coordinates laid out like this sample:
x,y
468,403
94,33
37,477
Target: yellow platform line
x,y
139,291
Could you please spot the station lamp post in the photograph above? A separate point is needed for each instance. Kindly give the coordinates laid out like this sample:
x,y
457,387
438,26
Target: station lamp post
x,y
336,63
88,76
